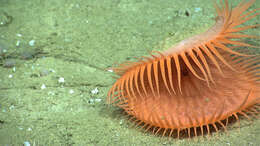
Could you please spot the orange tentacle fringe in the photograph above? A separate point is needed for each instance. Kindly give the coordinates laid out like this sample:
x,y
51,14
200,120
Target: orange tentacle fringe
x,y
196,85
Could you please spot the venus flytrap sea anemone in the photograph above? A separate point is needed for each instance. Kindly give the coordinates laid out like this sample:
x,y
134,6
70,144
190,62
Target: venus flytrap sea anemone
x,y
198,84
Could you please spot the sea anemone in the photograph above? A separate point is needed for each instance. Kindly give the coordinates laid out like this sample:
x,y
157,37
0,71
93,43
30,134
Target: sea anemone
x,y
198,84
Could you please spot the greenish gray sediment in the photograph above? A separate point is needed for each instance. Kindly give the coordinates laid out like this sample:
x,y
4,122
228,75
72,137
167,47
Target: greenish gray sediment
x,y
49,41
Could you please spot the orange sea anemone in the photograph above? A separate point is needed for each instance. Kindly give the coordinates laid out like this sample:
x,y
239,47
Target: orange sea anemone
x,y
198,84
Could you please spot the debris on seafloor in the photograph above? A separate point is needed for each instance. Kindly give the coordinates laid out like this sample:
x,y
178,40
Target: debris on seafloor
x,y
5,19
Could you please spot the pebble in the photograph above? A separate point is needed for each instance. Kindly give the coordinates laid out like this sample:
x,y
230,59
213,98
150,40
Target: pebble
x,y
95,91
92,101
18,43
61,80
71,91
51,93
197,9
52,70
98,99
31,42
19,35
11,107
43,86
44,72
26,143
